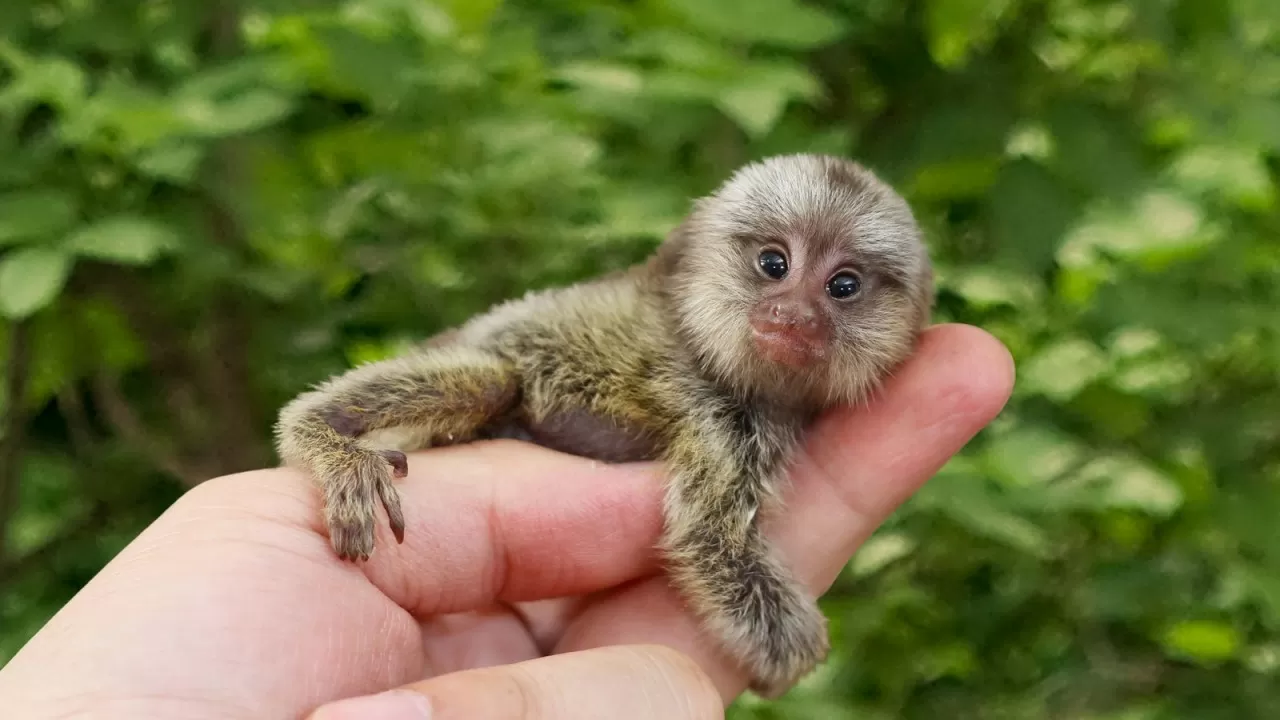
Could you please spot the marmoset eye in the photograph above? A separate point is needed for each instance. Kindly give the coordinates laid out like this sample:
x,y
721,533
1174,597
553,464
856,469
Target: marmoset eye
x,y
843,286
773,264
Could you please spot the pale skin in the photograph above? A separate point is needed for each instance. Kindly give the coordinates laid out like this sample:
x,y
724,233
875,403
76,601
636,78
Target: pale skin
x,y
528,588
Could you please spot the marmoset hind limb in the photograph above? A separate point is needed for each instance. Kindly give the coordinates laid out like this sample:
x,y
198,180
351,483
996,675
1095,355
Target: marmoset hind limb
x,y
796,286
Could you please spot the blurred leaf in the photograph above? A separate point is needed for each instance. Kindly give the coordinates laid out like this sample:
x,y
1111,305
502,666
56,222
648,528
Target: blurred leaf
x,y
125,239
967,500
957,179
1137,485
1114,413
470,16
248,111
985,287
951,660
176,162
1120,482
1062,369
366,352
786,23
1175,226
880,551
1212,316
48,497
1264,585
52,80
1258,121
1132,343
758,100
1096,151
959,27
1034,454
124,116
1250,510
1030,214
362,67
1203,641
1156,377
30,279
642,210
230,79
608,77
106,330
35,214
1238,175
956,151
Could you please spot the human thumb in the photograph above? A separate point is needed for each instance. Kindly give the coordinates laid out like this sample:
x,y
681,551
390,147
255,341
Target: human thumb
x,y
626,682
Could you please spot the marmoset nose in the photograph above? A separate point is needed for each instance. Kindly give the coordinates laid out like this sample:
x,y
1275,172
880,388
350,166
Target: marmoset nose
x,y
790,316
793,314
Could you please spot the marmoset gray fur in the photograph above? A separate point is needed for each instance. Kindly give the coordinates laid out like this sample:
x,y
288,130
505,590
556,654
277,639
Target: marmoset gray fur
x,y
796,286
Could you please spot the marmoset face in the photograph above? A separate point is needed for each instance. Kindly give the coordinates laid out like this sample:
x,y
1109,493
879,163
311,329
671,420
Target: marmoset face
x,y
804,277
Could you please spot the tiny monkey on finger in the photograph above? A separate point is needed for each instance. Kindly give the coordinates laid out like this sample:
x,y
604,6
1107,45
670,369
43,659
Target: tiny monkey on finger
x,y
796,286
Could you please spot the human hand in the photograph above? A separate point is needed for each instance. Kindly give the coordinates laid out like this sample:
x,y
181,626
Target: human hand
x,y
521,574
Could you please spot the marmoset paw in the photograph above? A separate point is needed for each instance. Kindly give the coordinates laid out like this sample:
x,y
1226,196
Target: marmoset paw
x,y
793,643
353,488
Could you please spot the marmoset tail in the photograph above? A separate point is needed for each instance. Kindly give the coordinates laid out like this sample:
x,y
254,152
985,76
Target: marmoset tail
x,y
796,286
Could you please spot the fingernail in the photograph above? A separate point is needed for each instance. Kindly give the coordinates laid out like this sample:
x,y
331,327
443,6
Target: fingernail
x,y
391,705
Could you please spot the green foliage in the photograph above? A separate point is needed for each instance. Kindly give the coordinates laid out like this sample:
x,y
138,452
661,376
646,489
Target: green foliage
x,y
203,209
32,277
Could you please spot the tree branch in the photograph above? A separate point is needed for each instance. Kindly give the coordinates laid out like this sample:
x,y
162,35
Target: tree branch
x,y
222,369
125,423
16,377
166,345
71,405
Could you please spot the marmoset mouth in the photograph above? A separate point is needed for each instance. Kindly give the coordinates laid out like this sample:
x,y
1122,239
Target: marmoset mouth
x,y
787,347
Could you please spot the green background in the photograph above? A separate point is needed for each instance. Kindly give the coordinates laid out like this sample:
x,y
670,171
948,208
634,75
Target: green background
x,y
205,207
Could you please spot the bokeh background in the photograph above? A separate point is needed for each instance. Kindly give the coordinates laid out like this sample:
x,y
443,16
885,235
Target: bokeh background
x,y
205,207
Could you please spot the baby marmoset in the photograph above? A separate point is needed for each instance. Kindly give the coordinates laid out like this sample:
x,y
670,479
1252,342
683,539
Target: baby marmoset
x,y
796,286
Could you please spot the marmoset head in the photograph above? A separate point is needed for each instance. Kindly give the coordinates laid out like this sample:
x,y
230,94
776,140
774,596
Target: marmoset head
x,y
803,277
